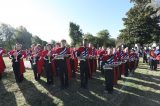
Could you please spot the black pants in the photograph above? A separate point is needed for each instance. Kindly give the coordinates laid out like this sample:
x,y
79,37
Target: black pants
x,y
84,73
72,68
35,71
102,64
126,69
16,68
63,73
120,70
48,72
0,76
91,66
108,73
145,60
153,64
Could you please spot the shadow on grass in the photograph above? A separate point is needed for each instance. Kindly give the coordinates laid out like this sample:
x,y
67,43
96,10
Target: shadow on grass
x,y
33,96
149,78
137,97
74,95
151,85
6,98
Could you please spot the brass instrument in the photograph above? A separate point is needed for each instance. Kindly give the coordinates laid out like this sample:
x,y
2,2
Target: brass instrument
x,y
35,53
34,59
49,56
92,57
111,66
83,58
16,57
59,57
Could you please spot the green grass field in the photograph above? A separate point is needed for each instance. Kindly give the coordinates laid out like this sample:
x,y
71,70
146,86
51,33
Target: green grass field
x,y
140,89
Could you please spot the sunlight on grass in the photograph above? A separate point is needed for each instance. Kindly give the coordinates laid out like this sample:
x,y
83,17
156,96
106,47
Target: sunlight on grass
x,y
98,96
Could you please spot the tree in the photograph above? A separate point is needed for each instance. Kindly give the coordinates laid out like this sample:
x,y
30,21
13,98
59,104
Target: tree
x,y
102,37
23,37
7,36
141,25
75,33
53,42
37,40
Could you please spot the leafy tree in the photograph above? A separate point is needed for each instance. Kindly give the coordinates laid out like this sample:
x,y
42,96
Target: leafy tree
x,y
7,36
102,37
75,33
23,37
53,42
141,24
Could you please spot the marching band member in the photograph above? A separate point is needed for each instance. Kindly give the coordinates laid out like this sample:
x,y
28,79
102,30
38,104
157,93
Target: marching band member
x,y
101,53
132,60
121,59
29,52
137,56
153,62
92,58
126,60
57,45
109,71
36,61
17,56
98,52
145,55
118,68
49,64
74,62
85,72
2,64
63,65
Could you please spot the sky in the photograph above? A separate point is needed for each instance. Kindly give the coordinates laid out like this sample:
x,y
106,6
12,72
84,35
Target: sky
x,y
49,19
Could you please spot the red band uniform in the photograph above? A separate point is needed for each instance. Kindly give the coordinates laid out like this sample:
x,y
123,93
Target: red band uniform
x,y
85,71
18,64
63,66
2,64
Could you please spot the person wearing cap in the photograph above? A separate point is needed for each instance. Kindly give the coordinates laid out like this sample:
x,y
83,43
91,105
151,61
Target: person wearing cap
x,y
64,69
85,71
2,64
17,56
49,66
